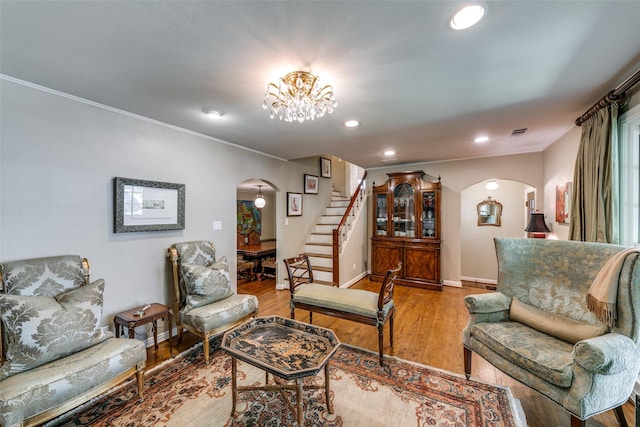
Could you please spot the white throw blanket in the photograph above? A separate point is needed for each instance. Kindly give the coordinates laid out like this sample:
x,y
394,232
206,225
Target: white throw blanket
x,y
603,293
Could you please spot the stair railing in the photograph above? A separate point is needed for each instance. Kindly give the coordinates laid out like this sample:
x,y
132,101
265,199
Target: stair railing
x,y
340,233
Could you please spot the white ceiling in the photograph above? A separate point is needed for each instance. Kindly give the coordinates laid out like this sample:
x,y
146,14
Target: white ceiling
x,y
416,85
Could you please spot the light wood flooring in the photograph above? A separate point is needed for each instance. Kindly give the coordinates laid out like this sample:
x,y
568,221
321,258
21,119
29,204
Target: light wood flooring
x,y
428,330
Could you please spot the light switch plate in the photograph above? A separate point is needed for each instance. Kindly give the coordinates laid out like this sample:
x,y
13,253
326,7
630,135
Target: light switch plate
x,y
217,225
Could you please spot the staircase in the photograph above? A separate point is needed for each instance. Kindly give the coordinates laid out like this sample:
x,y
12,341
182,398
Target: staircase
x,y
319,247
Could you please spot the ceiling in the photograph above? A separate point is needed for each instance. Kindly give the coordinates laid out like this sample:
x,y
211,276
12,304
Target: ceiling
x,y
416,85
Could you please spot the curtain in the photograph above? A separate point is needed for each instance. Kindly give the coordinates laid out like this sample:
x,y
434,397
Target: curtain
x,y
594,201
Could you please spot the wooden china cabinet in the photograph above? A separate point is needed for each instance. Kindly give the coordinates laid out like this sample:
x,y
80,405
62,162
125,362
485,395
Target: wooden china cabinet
x,y
406,227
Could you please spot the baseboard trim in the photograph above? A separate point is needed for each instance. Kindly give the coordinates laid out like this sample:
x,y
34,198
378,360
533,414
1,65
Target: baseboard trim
x,y
479,279
354,280
452,283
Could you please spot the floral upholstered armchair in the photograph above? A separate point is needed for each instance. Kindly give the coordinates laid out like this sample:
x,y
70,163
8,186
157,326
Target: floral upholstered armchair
x,y
55,354
205,303
539,329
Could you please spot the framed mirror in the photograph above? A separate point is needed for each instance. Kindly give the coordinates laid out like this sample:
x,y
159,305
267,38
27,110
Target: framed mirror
x,y
489,212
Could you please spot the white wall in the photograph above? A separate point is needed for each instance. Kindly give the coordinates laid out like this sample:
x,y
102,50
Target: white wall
x,y
58,157
478,255
559,163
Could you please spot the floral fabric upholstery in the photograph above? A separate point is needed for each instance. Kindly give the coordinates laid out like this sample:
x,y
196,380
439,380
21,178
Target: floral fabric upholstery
x,y
217,315
206,284
199,252
39,329
590,377
55,347
34,391
205,301
43,276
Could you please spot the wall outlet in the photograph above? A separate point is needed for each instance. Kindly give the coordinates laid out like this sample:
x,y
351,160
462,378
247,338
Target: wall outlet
x,y
217,225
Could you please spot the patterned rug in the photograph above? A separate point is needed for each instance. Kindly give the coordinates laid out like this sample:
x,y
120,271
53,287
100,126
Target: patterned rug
x,y
184,392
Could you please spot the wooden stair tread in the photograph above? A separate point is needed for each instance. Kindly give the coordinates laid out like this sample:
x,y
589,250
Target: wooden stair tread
x,y
311,254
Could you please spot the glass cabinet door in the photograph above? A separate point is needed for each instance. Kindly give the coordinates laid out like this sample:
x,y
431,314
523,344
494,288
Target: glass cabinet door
x,y
429,214
404,211
381,214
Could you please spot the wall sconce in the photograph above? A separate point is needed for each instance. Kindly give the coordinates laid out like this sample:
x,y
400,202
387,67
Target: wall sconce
x,y
537,227
260,202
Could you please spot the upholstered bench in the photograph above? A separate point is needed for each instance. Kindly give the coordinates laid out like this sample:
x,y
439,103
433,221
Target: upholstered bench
x,y
55,354
371,308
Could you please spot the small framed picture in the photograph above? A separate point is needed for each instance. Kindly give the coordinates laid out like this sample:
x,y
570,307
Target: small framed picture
x,y
310,184
325,167
294,204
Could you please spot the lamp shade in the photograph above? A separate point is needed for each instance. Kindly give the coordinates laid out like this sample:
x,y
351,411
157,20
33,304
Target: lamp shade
x,y
537,224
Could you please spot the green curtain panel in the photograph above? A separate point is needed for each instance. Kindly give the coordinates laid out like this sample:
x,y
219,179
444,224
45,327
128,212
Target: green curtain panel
x,y
594,201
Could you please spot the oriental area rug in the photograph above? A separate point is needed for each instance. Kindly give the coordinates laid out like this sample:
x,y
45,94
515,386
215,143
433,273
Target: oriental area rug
x,y
185,392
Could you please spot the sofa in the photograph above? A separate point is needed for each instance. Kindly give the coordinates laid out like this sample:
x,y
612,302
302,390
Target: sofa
x,y
55,354
538,328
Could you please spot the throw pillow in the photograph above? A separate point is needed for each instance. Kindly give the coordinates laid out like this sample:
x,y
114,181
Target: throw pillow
x,y
41,329
206,284
552,324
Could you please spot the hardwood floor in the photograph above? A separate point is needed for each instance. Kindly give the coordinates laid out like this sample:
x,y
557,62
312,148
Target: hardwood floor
x,y
428,330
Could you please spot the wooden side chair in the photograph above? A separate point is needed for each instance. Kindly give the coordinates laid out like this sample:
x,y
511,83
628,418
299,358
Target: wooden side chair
x,y
245,268
370,308
269,264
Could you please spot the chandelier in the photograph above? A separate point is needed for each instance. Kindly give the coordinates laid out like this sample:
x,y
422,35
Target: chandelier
x,y
299,96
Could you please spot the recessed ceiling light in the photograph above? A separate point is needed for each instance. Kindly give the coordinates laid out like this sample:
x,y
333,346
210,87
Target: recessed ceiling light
x,y
213,112
481,139
351,123
389,153
467,17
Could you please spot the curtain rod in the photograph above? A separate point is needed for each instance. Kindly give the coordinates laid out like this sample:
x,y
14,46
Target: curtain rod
x,y
613,96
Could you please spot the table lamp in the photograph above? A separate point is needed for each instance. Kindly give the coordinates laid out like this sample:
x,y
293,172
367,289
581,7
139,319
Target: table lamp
x,y
537,227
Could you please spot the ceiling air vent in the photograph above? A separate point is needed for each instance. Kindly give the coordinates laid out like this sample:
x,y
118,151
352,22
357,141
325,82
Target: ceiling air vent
x,y
518,132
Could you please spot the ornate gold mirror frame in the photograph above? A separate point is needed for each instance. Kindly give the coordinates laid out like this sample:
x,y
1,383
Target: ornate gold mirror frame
x,y
489,212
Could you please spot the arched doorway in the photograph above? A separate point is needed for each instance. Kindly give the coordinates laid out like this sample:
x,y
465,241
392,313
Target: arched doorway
x,y
477,259
256,231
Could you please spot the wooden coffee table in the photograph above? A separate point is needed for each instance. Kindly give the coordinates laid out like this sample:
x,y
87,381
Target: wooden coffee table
x,y
288,349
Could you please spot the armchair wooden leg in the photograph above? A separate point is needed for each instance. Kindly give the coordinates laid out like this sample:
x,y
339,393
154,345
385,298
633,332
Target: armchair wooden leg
x,y
205,344
140,380
620,416
391,330
467,362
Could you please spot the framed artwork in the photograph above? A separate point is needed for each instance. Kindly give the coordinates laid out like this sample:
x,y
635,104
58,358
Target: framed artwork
x,y
310,184
325,167
563,203
141,205
294,204
249,217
